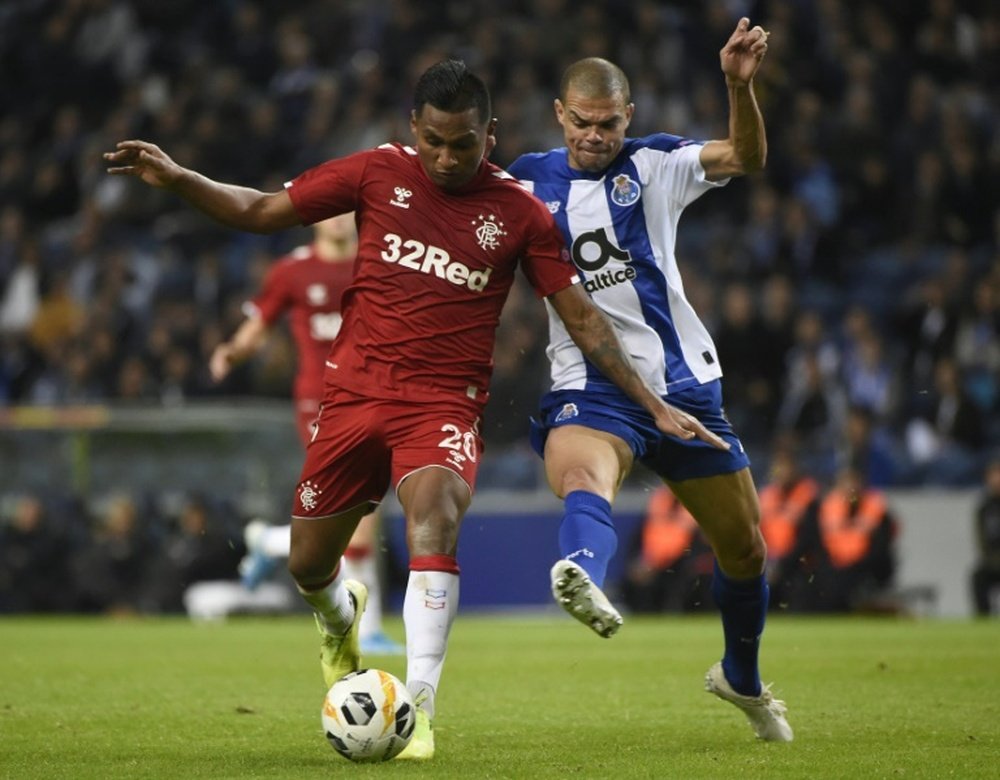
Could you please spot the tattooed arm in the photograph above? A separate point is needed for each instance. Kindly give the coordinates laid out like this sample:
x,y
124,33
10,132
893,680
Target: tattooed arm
x,y
596,337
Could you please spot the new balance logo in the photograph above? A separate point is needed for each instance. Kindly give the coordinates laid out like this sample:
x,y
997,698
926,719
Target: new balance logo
x,y
432,260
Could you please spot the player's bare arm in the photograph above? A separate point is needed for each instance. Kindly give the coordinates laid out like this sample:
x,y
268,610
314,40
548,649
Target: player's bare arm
x,y
596,337
240,207
745,150
250,336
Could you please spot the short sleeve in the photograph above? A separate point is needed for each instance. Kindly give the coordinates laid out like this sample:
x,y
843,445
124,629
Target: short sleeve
x,y
545,260
328,189
678,171
273,299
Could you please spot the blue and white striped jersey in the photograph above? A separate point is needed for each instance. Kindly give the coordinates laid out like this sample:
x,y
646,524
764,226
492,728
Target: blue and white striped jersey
x,y
621,227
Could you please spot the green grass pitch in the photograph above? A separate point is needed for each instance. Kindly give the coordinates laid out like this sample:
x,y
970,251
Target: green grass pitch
x,y
522,697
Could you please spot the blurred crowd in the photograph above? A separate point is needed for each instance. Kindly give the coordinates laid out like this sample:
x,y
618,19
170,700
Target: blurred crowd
x,y
124,555
853,288
831,547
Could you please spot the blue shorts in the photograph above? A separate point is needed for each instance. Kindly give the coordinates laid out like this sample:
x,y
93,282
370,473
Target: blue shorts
x,y
669,457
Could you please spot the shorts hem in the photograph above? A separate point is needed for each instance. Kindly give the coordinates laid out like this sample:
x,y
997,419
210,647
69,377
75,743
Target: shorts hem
x,y
373,504
433,466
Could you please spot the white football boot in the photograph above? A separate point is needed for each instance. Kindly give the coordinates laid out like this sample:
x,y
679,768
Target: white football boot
x,y
765,713
581,598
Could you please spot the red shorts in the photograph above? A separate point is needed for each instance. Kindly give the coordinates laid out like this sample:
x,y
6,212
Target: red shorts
x,y
363,445
306,411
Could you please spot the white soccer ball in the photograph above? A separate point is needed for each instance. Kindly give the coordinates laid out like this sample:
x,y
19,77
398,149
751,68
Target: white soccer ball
x,y
368,716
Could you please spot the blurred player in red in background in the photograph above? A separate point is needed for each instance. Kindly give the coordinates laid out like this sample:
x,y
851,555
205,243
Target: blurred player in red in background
x,y
441,233
308,284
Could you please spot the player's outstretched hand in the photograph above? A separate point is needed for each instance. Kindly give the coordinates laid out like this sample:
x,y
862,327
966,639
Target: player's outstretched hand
x,y
221,361
743,52
675,422
145,161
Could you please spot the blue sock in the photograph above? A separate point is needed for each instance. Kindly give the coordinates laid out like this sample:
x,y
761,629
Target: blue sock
x,y
743,604
586,535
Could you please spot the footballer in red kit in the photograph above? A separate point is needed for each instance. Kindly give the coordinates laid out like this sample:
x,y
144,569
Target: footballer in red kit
x,y
441,232
420,315
309,289
308,284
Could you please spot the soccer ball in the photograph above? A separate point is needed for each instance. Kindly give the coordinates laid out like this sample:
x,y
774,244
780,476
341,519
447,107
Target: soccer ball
x,y
369,716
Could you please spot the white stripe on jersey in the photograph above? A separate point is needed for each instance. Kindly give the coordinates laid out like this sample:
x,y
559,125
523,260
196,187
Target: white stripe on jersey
x,y
638,283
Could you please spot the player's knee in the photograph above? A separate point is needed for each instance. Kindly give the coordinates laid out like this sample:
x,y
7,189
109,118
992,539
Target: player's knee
x,y
432,533
746,560
580,478
309,569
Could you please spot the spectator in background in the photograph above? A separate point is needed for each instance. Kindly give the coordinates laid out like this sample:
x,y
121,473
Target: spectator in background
x,y
109,570
986,575
197,548
977,345
856,533
869,376
869,446
778,313
812,413
742,348
788,510
669,566
926,326
946,431
33,560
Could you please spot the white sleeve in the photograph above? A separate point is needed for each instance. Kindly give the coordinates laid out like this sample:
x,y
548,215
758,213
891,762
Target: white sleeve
x,y
679,172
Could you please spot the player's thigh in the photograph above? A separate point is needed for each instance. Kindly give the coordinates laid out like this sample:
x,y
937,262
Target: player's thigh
x,y
727,509
366,532
319,542
348,462
581,458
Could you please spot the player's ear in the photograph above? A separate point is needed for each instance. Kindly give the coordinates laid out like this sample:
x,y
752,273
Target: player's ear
x,y
413,121
629,110
560,110
491,137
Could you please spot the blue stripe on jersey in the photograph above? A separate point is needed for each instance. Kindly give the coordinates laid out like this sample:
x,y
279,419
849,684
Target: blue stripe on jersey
x,y
632,235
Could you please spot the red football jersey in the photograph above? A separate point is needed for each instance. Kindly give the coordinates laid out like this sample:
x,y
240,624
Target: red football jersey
x,y
433,270
310,290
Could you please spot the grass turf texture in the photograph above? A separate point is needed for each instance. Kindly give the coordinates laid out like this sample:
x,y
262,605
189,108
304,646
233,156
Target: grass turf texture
x,y
522,698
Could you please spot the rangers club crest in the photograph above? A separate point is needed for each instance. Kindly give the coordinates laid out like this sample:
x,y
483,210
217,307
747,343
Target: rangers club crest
x,y
488,231
308,495
625,191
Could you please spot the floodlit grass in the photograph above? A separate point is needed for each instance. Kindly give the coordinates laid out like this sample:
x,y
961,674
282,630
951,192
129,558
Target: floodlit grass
x,y
521,698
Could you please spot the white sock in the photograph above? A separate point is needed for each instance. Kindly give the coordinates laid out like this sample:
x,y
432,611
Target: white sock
x,y
365,569
333,604
276,541
429,609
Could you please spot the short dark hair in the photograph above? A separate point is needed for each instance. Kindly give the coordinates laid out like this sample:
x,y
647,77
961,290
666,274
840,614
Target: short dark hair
x,y
451,86
595,77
